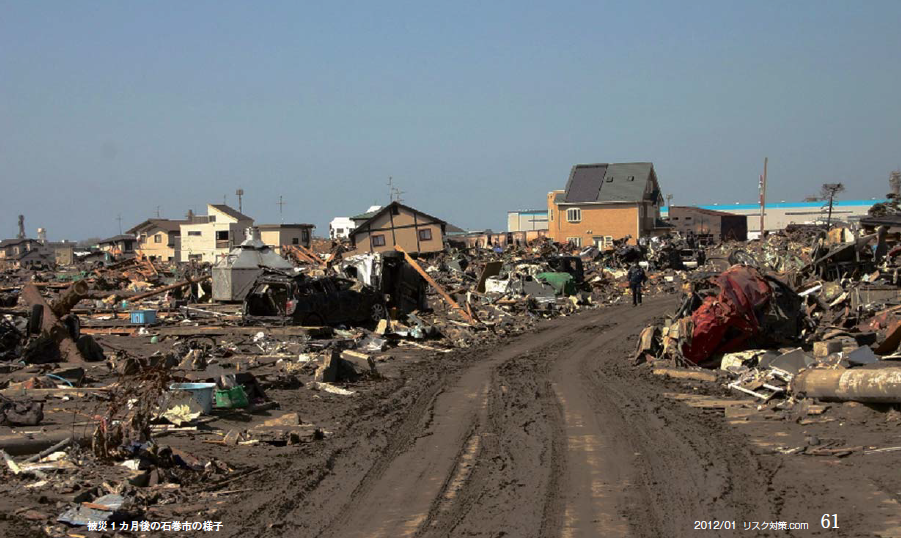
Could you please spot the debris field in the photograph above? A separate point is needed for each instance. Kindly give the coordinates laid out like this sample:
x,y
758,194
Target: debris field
x,y
471,392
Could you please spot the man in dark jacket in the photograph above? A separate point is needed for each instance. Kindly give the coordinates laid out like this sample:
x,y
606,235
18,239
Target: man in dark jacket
x,y
636,278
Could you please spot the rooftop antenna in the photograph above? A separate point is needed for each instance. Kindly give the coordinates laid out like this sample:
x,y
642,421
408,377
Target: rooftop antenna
x,y
119,218
157,211
397,195
390,189
240,193
281,204
224,199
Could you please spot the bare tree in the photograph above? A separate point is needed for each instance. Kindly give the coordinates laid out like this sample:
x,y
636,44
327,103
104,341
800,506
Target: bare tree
x,y
828,192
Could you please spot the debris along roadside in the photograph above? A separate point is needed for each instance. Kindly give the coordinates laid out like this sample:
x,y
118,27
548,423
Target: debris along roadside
x,y
122,382
802,323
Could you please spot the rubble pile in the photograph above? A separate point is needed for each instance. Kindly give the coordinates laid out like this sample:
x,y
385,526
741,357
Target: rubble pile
x,y
117,377
802,316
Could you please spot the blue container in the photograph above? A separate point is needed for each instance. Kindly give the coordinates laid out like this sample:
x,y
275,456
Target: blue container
x,y
143,317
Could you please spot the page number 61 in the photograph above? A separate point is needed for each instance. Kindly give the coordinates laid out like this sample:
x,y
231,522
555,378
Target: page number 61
x,y
829,521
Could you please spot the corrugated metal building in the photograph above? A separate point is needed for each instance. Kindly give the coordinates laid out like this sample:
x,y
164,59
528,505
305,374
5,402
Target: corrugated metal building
x,y
527,220
781,214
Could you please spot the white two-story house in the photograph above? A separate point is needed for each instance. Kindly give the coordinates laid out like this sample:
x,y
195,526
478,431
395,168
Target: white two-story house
x,y
210,237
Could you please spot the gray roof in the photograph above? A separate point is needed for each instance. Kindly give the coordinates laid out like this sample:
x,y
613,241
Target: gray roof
x,y
117,238
617,182
11,242
233,213
166,225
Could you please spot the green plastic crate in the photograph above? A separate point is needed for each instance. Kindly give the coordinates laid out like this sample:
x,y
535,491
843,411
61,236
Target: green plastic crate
x,y
231,398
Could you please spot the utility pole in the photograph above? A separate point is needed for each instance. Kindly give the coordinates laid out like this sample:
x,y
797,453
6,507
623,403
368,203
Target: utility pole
x,y
762,187
280,204
240,194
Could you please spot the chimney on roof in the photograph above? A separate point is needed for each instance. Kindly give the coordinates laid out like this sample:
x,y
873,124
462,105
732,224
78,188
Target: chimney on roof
x,y
190,215
42,235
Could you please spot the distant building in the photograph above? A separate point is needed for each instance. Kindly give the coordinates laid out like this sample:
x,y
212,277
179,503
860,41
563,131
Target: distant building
x,y
276,235
159,239
605,202
527,220
781,214
708,224
118,244
398,224
363,217
340,228
13,248
63,252
210,237
24,253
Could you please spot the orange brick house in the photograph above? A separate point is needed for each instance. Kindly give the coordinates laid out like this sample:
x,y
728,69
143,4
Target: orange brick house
x,y
603,202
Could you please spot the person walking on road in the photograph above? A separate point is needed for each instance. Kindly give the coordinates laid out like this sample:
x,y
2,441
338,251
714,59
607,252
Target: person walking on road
x,y
636,278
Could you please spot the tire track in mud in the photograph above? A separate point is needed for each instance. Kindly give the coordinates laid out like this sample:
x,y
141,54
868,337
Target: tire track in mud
x,y
426,485
640,465
583,446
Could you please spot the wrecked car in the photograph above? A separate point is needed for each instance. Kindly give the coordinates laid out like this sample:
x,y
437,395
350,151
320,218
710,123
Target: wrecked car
x,y
284,298
404,289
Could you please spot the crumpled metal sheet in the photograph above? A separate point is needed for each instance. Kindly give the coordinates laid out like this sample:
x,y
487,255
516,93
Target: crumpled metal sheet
x,y
724,322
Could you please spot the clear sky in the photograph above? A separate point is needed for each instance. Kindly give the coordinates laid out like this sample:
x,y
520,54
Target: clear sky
x,y
117,107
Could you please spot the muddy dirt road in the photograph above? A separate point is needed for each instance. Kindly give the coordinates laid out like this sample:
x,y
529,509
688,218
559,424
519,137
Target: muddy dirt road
x,y
549,434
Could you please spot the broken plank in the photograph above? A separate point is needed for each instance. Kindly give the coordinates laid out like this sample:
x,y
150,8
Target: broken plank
x,y
676,373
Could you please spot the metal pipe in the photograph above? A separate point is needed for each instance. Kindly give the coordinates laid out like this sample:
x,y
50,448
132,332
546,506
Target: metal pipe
x,y
71,297
164,289
51,325
869,386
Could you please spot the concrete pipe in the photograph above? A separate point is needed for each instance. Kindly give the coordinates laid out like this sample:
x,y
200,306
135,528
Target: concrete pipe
x,y
869,386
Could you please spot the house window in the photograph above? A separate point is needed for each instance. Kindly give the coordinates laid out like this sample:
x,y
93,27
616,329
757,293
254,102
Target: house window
x,y
574,215
195,257
158,238
378,240
425,235
295,241
305,235
211,218
395,210
577,241
222,235
195,233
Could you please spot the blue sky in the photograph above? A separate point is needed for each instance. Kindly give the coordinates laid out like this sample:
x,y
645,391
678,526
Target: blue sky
x,y
110,108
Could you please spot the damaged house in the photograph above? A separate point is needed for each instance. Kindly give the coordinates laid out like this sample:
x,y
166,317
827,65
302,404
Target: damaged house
x,y
401,225
606,202
118,244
